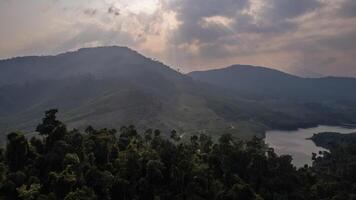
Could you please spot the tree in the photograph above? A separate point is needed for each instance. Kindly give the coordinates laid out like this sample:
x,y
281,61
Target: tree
x,y
240,191
16,151
84,193
174,136
62,183
99,165
30,192
100,181
51,128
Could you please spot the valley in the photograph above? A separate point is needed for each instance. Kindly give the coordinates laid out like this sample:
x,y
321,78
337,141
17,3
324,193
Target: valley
x,y
115,86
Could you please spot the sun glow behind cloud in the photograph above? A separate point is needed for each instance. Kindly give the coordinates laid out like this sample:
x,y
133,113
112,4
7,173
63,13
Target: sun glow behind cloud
x,y
142,6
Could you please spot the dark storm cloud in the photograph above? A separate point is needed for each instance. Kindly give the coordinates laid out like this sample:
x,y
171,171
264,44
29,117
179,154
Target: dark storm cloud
x,y
278,10
348,8
190,13
244,23
304,36
196,9
274,17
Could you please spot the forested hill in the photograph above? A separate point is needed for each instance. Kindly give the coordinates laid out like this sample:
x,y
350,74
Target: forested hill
x,y
98,62
261,81
113,86
106,164
109,87
298,101
331,140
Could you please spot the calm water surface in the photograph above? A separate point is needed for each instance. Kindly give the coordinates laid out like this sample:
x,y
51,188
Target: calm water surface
x,y
295,144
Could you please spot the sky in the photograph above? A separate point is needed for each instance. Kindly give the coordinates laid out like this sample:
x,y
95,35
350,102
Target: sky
x,y
304,37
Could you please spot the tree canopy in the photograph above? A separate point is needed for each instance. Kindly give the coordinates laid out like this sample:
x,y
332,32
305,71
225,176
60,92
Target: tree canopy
x,y
110,164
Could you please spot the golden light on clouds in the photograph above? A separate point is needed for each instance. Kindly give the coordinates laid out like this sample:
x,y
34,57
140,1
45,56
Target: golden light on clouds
x,y
216,20
303,35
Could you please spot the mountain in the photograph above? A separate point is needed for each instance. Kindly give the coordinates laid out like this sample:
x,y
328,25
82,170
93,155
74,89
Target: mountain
x,y
101,62
116,86
109,87
296,100
260,81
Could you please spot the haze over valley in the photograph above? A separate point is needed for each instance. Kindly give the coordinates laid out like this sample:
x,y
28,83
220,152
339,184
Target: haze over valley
x,y
178,100
113,86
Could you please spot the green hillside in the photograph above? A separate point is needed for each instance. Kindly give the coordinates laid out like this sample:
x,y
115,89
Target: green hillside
x,y
113,86
105,164
110,87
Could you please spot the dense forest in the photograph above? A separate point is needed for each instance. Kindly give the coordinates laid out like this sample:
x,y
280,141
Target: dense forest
x,y
332,140
109,164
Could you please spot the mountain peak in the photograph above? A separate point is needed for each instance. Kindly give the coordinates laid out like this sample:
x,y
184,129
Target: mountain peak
x,y
252,68
105,48
245,71
109,50
100,62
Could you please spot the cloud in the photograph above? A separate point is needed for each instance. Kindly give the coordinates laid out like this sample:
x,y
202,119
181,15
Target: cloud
x,y
90,12
271,18
278,10
348,8
340,42
113,10
192,13
95,35
309,36
300,36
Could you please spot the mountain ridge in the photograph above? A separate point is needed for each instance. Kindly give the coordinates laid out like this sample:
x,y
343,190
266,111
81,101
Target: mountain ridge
x,y
245,66
115,86
248,78
106,87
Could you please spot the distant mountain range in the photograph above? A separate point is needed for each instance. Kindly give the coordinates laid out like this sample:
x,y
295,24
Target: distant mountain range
x,y
282,100
116,86
260,81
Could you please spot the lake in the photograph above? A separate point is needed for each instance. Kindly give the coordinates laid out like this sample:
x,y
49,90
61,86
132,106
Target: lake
x,y
294,143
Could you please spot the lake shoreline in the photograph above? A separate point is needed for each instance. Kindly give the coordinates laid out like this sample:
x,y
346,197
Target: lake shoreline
x,y
296,143
314,125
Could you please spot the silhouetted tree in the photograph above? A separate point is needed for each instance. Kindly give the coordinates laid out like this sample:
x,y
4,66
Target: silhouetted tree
x,y
16,151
